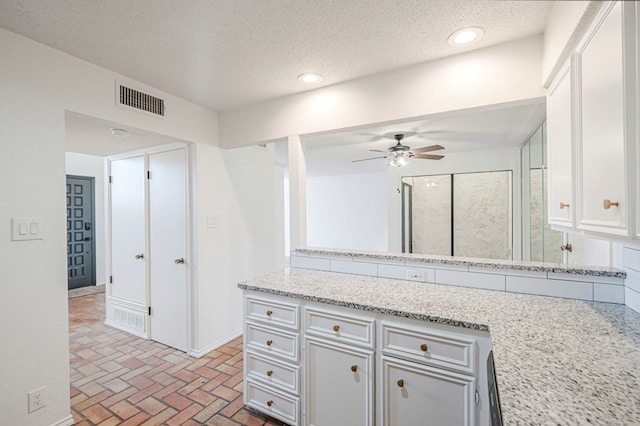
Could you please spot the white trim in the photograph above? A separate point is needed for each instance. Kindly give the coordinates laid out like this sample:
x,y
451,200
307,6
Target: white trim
x,y
131,331
67,421
198,353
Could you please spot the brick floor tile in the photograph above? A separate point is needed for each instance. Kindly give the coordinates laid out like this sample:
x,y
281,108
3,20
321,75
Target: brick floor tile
x,y
177,401
93,400
117,385
151,405
249,419
210,410
114,399
111,421
225,393
124,409
141,382
184,415
201,397
139,396
136,420
221,421
229,369
231,409
161,418
97,413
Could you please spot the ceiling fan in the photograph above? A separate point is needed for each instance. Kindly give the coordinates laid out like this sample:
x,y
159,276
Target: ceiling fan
x,y
399,155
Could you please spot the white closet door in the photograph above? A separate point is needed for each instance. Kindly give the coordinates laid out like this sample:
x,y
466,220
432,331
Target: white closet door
x,y
128,229
168,245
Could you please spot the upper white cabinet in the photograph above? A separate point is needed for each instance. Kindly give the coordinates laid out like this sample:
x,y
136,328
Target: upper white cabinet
x,y
592,130
602,161
560,150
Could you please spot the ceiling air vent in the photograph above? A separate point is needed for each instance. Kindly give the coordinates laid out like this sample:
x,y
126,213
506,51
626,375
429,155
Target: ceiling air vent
x,y
141,101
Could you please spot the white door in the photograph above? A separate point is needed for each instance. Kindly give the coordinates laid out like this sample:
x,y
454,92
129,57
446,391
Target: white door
x,y
128,229
339,385
168,248
420,395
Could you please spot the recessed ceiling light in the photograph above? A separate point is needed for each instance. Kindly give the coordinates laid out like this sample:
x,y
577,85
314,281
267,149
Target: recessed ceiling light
x,y
465,36
310,77
119,133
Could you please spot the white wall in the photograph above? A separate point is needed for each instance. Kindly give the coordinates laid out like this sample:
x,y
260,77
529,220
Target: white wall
x,y
37,85
503,73
456,162
93,166
348,212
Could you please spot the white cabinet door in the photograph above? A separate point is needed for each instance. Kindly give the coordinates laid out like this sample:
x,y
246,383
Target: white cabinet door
x,y
603,160
168,247
128,229
422,395
560,150
338,384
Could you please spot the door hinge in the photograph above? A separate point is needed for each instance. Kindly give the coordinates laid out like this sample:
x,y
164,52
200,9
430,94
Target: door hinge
x,y
477,398
110,279
149,310
148,174
110,179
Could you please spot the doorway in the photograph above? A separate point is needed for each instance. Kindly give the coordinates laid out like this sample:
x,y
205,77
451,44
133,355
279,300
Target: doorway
x,y
81,258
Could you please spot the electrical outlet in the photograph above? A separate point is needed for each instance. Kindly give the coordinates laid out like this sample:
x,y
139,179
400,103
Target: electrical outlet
x,y
37,399
415,275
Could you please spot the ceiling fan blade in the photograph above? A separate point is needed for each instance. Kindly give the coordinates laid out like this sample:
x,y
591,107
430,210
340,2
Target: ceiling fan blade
x,y
428,148
367,159
377,150
428,156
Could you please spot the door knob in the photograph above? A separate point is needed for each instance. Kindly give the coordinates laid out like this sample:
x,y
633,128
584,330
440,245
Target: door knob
x,y
179,261
140,256
566,247
564,205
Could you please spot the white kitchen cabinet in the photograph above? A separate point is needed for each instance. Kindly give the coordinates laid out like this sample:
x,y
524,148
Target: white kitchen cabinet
x,y
352,363
416,394
560,150
604,112
339,384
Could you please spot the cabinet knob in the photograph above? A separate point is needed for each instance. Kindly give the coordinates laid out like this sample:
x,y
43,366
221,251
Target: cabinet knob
x,y
424,347
354,368
564,205
179,261
336,328
140,256
400,383
608,203
269,373
566,247
269,342
269,403
269,313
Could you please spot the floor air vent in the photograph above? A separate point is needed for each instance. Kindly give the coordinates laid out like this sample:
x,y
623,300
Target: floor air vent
x,y
140,100
128,319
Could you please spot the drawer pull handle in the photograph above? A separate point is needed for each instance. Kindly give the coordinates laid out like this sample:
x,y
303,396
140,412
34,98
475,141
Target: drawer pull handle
x,y
269,403
269,342
269,313
354,368
269,373
140,256
400,383
424,347
564,205
336,328
608,203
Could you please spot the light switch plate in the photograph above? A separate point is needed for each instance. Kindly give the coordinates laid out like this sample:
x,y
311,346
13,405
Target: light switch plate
x,y
212,221
27,228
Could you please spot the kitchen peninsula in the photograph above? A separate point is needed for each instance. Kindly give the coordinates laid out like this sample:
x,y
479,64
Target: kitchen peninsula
x,y
557,361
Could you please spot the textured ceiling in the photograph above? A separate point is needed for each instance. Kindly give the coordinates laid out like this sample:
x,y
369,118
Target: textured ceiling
x,y
224,54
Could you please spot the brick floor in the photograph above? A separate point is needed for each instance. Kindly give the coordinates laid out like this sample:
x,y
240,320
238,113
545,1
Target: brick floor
x,y
119,379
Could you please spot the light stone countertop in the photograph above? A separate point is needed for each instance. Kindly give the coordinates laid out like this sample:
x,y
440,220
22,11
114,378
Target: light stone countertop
x,y
514,265
558,361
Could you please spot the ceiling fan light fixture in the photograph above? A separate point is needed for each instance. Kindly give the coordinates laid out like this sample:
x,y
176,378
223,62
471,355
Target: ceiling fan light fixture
x,y
119,133
465,36
399,159
310,77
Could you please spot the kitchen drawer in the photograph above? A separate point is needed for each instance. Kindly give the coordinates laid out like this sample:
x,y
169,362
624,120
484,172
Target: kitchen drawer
x,y
447,350
285,376
272,341
274,313
272,402
340,327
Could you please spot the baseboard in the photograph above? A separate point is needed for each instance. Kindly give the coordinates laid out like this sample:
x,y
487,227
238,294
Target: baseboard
x,y
202,352
67,421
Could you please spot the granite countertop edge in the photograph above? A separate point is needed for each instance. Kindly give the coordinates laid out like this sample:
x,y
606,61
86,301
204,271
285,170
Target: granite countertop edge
x,y
367,308
596,271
